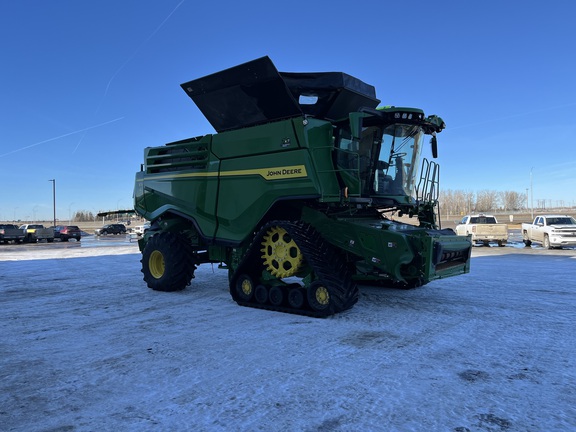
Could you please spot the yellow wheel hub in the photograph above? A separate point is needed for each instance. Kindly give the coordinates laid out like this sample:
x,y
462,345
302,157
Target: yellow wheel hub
x,y
246,287
156,264
281,255
322,295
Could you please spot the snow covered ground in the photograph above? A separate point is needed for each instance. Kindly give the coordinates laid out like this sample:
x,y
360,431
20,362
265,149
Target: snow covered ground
x,y
86,346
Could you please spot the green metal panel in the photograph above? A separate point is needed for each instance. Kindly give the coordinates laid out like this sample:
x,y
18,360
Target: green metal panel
x,y
319,138
274,137
249,186
179,177
398,250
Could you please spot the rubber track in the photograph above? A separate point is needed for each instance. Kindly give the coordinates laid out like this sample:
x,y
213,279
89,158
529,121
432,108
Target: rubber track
x,y
327,262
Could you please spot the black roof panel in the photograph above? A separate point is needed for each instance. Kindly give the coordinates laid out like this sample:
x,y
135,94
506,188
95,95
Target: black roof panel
x,y
255,92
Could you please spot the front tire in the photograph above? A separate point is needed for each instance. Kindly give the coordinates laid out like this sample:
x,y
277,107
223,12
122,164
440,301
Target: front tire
x,y
546,243
167,262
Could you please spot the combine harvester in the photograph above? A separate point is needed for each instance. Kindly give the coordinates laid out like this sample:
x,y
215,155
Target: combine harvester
x,y
293,194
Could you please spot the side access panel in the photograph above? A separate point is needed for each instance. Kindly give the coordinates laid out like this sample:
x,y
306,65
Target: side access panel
x,y
181,178
250,186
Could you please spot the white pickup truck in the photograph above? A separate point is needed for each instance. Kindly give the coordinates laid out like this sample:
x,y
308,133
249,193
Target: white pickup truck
x,y
140,230
483,228
551,231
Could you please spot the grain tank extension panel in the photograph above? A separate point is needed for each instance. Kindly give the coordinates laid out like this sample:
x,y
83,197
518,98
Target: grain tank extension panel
x,y
255,92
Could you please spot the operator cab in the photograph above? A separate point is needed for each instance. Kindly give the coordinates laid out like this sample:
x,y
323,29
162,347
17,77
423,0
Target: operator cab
x,y
378,154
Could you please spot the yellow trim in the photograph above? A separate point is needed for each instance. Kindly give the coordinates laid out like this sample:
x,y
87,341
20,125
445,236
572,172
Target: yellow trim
x,y
275,173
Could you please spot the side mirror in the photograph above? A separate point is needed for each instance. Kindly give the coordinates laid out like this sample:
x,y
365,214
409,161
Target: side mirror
x,y
434,144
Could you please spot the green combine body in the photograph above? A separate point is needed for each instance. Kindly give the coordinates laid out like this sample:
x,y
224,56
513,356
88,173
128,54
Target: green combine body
x,y
294,194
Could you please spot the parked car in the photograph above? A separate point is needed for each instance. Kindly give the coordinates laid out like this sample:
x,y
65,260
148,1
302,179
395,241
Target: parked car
x,y
9,232
111,229
141,229
66,232
37,232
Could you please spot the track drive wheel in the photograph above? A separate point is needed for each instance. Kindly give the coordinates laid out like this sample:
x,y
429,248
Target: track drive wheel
x,y
282,256
167,262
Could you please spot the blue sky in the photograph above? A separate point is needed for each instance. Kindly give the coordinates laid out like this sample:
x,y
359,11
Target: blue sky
x,y
86,86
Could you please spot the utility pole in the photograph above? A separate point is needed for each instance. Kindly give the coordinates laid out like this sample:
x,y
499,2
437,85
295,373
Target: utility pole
x,y
54,199
531,195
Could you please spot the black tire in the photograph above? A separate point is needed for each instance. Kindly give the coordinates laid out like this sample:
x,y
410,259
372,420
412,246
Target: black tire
x,y
261,294
167,262
64,239
245,287
276,296
78,238
51,240
296,297
527,242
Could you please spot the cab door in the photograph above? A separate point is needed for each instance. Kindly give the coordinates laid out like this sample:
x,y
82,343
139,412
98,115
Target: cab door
x,y
538,230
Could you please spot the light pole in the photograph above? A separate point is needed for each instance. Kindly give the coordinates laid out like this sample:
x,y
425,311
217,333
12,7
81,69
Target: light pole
x,y
118,209
531,195
70,213
54,199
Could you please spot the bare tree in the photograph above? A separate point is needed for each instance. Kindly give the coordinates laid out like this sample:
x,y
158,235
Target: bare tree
x,y
486,200
456,202
83,216
512,200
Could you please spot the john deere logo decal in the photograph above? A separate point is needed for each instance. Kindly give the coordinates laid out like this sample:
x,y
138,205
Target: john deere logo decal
x,y
276,173
285,172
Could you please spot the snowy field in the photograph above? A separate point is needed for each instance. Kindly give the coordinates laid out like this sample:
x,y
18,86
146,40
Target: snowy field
x,y
85,346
